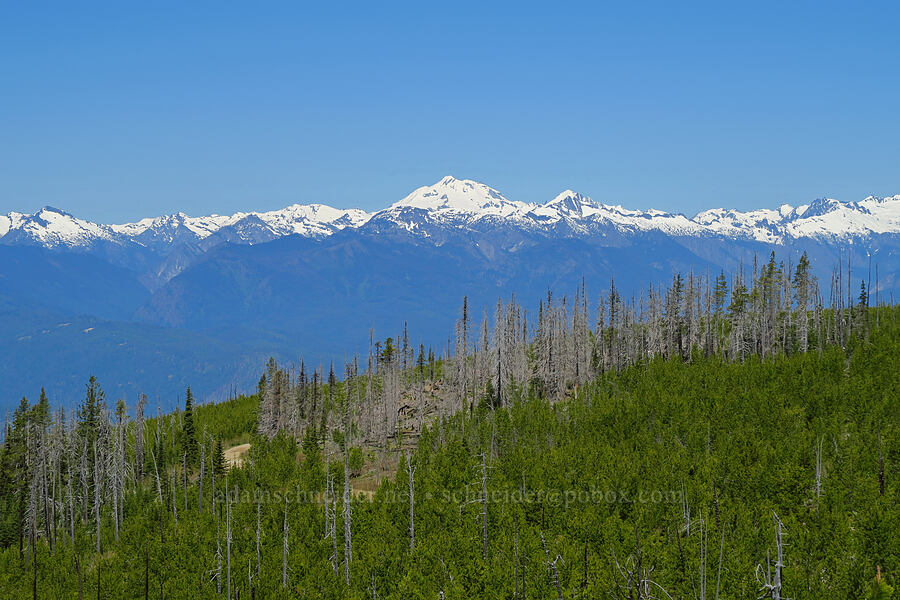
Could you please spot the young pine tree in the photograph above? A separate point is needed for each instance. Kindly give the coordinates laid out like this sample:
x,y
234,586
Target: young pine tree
x,y
189,446
219,459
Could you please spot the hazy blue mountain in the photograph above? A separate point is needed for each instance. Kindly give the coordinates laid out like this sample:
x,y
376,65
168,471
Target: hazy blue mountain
x,y
69,282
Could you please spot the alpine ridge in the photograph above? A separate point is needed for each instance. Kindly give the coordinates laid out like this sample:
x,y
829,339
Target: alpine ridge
x,y
461,203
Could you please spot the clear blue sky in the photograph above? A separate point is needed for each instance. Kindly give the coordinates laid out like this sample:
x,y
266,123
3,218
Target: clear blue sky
x,y
132,109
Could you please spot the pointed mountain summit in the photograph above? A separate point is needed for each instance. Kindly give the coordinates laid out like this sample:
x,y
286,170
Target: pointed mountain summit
x,y
572,204
567,204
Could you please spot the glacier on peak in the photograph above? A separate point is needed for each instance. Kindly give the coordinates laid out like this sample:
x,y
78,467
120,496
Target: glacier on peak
x,y
460,197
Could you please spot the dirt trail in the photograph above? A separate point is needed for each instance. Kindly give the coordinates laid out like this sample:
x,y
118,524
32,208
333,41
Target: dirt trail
x,y
234,456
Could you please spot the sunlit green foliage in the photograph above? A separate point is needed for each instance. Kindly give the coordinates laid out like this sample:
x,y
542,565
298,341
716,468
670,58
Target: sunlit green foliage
x,y
593,479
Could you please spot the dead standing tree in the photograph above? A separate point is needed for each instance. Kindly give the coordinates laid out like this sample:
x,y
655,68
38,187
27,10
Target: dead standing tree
x,y
348,506
410,473
284,550
635,580
483,500
820,471
770,582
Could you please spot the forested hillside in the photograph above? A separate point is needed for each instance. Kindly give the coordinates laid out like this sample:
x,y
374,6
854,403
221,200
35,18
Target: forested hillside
x,y
711,440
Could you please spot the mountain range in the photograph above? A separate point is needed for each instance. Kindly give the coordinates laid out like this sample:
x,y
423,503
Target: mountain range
x,y
175,300
458,204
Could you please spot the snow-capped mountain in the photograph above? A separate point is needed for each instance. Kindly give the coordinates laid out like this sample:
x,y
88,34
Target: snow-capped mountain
x,y
307,220
584,214
53,228
452,197
824,219
308,278
451,203
468,204
460,204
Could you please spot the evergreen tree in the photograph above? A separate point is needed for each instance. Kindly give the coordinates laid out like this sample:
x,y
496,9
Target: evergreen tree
x,y
387,355
41,412
7,491
90,411
802,295
261,386
420,360
219,458
15,451
188,435
720,294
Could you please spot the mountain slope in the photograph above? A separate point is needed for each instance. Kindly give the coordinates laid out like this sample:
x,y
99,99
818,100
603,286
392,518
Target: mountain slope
x,y
79,284
329,294
48,348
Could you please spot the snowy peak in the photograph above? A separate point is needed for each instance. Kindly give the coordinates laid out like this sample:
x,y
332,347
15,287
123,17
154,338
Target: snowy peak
x,y
168,229
586,216
571,204
460,197
52,228
761,225
824,218
309,220
312,220
567,206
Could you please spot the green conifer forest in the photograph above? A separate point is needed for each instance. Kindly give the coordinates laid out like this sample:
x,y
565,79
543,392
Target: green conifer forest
x,y
717,438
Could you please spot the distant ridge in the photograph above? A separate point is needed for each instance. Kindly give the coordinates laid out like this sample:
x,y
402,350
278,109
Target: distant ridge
x,y
461,203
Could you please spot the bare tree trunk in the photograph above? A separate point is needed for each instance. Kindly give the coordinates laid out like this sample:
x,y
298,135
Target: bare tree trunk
x,y
228,540
721,555
333,532
348,504
156,472
97,495
410,473
819,468
212,495
484,510
218,562
202,476
174,496
284,550
139,438
258,540
34,566
516,564
769,582
348,520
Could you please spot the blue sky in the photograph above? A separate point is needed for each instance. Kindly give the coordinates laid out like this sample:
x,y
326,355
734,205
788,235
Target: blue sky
x,y
123,110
